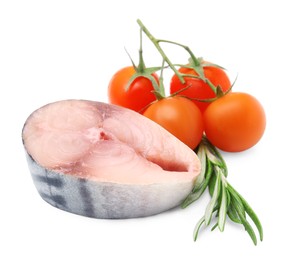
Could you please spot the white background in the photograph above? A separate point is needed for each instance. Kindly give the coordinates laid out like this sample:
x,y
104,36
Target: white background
x,y
52,50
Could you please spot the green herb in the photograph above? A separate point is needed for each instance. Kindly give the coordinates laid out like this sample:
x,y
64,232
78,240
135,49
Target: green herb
x,y
225,200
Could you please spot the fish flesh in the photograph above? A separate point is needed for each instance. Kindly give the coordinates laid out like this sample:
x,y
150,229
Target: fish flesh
x,y
104,161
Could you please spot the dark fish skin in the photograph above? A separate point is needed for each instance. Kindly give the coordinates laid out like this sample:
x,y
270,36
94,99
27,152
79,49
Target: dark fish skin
x,y
104,200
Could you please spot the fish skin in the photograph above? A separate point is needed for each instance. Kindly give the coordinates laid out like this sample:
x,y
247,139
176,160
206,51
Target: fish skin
x,y
107,199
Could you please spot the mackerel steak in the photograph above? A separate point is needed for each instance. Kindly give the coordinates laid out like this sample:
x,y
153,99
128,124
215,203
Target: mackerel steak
x,y
103,161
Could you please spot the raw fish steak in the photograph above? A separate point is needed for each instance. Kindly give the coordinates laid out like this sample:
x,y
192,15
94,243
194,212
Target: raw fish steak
x,y
105,161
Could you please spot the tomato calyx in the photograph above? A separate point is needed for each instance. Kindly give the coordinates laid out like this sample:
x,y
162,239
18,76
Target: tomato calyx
x,y
142,71
218,93
198,66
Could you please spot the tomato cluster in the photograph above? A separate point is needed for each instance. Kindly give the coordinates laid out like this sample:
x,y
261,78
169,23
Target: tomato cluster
x,y
234,122
201,102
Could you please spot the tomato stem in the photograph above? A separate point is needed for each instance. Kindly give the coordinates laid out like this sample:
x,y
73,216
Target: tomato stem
x,y
141,65
193,57
213,88
160,94
195,63
142,71
157,45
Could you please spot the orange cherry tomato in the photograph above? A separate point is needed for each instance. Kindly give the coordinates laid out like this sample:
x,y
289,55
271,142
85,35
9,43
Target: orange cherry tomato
x,y
180,117
139,94
234,122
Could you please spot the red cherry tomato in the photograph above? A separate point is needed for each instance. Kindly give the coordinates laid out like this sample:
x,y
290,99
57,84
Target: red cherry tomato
x,y
139,94
199,89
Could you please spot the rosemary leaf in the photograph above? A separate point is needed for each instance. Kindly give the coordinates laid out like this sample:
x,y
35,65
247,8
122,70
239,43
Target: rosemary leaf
x,y
213,158
212,149
214,227
252,215
239,206
213,201
192,197
211,184
254,218
197,228
246,224
222,209
202,157
198,191
232,214
236,201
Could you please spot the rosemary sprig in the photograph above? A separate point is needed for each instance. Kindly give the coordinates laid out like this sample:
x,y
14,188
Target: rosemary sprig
x,y
225,200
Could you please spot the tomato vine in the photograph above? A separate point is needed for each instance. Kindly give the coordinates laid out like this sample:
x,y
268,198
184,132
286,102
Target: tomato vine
x,y
225,200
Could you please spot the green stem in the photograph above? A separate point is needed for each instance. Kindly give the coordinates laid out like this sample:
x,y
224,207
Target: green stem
x,y
157,45
141,66
161,93
195,63
193,57
213,88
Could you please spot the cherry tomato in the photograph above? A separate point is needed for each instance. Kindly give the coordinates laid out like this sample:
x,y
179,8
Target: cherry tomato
x,y
137,97
199,89
180,117
234,122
